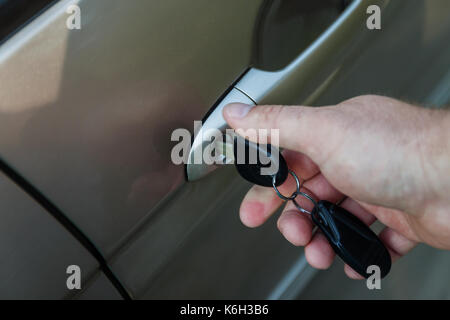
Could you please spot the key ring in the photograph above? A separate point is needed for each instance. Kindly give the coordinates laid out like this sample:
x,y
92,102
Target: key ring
x,y
295,193
297,182
307,196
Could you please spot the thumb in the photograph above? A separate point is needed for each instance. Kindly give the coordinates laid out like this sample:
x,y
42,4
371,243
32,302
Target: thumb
x,y
302,129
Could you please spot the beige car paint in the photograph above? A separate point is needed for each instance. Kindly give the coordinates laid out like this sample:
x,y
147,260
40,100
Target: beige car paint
x,y
86,117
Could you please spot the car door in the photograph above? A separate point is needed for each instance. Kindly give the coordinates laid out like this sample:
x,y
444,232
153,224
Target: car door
x,y
87,113
86,116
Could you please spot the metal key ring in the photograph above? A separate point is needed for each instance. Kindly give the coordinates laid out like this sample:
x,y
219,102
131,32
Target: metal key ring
x,y
307,196
297,182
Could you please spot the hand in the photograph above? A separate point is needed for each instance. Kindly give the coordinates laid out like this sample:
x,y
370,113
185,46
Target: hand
x,y
391,159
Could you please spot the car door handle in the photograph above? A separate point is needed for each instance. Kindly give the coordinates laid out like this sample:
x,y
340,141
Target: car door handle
x,y
302,80
266,87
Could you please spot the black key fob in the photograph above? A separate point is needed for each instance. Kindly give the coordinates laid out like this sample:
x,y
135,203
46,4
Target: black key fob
x,y
250,158
351,239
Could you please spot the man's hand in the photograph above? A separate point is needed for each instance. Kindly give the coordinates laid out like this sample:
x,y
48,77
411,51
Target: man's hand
x,y
391,159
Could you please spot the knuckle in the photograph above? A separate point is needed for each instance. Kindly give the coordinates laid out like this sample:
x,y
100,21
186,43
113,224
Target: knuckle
x,y
270,116
361,100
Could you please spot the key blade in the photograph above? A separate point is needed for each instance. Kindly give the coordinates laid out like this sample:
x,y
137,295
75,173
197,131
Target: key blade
x,y
226,149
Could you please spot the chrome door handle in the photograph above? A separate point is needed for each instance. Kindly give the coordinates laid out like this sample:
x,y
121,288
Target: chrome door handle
x,y
281,87
196,168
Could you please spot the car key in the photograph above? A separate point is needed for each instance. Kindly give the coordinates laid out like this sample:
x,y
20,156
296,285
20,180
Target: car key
x,y
263,158
353,241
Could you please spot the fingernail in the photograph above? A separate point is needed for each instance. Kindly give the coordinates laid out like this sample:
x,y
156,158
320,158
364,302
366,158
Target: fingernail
x,y
237,110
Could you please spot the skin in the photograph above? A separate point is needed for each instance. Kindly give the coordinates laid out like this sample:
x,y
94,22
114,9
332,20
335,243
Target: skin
x,y
390,159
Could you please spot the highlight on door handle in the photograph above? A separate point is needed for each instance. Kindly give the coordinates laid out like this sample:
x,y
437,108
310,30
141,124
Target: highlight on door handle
x,y
279,87
322,58
196,168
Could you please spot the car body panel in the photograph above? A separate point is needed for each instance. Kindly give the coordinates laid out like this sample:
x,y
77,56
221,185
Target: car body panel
x,y
377,63
189,249
86,116
34,267
98,288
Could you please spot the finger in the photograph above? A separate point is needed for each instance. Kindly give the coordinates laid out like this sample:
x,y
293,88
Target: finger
x,y
357,210
392,218
260,202
295,226
302,129
397,245
258,205
352,274
299,233
319,253
301,164
321,190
